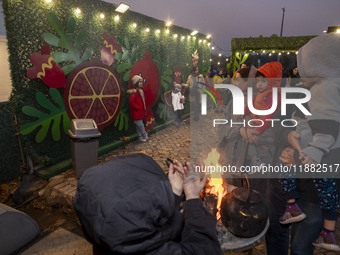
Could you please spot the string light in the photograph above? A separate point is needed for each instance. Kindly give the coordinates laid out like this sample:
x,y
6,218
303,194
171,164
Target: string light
x,y
77,11
175,35
208,36
102,16
147,30
189,36
167,31
209,44
212,48
220,55
48,1
200,41
183,37
158,31
117,17
134,25
204,41
218,63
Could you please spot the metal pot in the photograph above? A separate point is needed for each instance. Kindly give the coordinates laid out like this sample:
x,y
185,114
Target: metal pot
x,y
243,212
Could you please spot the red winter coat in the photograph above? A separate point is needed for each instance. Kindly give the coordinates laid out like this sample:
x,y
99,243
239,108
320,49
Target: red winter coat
x,y
137,110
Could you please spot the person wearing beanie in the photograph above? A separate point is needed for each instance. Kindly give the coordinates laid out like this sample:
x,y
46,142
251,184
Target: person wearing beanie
x,y
268,77
178,103
137,107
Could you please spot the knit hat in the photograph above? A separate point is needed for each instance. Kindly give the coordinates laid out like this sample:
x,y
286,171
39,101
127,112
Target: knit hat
x,y
177,86
135,79
273,72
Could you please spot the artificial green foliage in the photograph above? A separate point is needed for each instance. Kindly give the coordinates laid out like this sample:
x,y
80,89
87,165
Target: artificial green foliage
x,y
74,53
122,120
76,38
273,43
56,115
240,60
126,58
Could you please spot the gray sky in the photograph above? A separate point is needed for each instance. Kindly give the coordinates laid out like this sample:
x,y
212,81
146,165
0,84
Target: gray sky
x,y
227,19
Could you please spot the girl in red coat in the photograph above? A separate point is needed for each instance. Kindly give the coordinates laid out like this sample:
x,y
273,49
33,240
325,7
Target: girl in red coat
x,y
138,108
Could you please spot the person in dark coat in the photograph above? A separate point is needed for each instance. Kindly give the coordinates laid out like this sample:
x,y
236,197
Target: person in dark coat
x,y
129,206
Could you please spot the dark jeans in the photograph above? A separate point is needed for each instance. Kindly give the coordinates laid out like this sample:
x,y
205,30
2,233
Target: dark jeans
x,y
302,233
179,114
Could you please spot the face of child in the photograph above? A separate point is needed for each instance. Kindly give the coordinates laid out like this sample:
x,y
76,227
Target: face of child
x,y
261,83
240,82
140,83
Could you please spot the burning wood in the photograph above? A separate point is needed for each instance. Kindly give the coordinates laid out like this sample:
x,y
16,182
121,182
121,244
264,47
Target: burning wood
x,y
215,185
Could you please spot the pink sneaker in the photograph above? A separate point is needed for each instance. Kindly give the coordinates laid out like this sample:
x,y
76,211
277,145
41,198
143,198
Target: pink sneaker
x,y
327,241
292,214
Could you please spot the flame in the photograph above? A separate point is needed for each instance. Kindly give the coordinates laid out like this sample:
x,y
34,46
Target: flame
x,y
216,180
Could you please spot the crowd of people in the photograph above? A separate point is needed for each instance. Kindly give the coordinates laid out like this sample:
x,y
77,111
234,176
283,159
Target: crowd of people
x,y
138,211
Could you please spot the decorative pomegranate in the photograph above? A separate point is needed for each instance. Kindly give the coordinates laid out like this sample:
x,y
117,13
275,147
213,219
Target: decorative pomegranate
x,y
93,91
151,85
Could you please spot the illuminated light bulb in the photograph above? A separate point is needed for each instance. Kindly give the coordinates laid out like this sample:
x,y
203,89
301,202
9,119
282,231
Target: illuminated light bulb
x,y
147,30
220,55
167,31
204,41
200,41
117,17
279,53
208,36
209,44
183,37
189,36
218,63
210,60
102,16
158,31
212,48
48,1
78,11
176,35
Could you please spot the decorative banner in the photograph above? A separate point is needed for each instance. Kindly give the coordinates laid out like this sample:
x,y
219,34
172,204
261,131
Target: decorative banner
x,y
46,69
151,79
109,49
93,91
178,73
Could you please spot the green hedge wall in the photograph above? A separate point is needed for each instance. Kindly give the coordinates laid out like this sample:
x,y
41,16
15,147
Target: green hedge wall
x,y
258,44
10,158
27,22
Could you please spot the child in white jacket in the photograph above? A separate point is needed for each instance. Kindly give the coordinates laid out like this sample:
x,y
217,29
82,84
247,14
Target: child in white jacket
x,y
178,103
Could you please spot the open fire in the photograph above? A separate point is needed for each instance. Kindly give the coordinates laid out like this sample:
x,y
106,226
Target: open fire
x,y
215,185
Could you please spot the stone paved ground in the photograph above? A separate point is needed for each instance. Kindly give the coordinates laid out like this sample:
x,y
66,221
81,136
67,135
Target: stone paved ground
x,y
55,210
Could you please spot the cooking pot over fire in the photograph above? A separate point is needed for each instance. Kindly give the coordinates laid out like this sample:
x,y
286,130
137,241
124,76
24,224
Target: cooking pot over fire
x,y
243,212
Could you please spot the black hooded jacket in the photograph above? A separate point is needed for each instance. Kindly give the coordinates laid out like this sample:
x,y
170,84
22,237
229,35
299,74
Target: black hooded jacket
x,y
126,206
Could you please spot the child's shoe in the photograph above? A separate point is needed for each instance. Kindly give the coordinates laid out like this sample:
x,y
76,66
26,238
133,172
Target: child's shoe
x,y
292,214
327,241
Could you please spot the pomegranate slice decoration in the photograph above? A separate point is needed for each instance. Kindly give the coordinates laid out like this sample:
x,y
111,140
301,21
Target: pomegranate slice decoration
x,y
93,91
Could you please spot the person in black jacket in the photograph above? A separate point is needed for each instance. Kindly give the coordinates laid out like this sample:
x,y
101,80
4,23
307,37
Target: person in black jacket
x,y
129,206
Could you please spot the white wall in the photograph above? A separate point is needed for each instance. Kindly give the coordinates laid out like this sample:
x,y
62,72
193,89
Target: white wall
x,y
5,80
